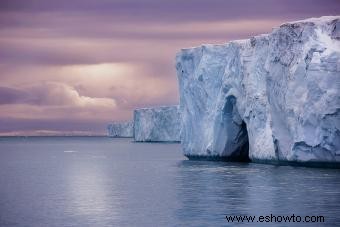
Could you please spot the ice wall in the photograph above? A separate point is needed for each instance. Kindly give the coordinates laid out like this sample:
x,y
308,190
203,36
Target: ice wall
x,y
159,124
277,94
120,129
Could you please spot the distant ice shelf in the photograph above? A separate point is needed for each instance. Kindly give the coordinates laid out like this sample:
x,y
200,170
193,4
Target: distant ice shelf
x,y
158,124
120,129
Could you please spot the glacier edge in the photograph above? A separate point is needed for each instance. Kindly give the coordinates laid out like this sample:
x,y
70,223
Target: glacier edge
x,y
278,92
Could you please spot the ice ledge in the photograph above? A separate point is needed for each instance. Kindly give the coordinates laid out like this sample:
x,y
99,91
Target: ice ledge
x,y
157,124
280,90
120,129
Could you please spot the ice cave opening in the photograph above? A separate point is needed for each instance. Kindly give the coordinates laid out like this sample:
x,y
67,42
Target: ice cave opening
x,y
236,146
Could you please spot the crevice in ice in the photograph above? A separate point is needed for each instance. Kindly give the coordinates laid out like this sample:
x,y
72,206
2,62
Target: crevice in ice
x,y
241,154
237,144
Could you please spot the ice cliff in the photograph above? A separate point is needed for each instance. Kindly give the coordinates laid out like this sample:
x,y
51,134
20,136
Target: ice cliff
x,y
120,129
159,124
271,98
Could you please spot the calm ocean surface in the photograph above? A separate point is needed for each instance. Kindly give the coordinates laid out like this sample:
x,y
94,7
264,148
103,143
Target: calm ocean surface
x,y
81,181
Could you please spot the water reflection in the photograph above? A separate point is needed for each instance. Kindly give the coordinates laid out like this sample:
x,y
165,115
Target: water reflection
x,y
118,183
91,191
208,191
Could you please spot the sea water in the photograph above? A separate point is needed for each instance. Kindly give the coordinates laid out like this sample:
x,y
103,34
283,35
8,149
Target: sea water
x,y
98,181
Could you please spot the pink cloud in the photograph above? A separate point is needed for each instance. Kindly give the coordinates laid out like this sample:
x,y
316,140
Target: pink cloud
x,y
92,62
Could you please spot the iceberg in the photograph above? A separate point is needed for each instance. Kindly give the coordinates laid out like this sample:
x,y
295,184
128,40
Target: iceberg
x,y
120,129
158,124
272,98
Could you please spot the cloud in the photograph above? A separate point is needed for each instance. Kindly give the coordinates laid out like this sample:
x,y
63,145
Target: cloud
x,y
80,92
28,126
51,94
113,43
58,94
11,95
72,65
129,84
175,10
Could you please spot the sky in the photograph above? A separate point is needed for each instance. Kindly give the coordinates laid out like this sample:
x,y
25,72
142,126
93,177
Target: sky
x,y
69,67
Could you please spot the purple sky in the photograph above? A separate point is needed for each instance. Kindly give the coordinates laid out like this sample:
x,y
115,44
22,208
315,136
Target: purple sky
x,y
72,66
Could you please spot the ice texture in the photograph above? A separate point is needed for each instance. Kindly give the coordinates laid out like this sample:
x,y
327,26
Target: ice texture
x,y
158,124
277,93
120,129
